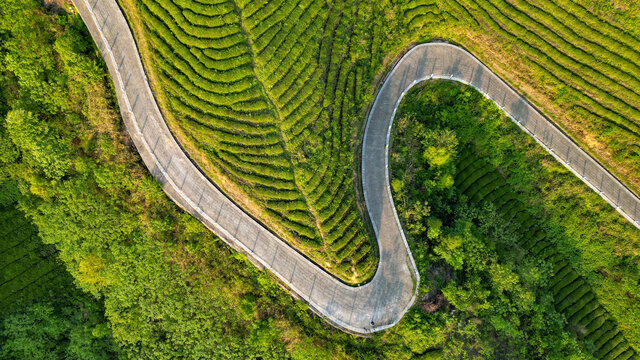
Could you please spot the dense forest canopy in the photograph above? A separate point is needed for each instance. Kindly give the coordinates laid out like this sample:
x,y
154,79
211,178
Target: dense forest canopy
x,y
493,221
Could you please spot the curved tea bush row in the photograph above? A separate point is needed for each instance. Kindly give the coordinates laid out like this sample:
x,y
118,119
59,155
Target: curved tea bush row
x,y
584,69
417,13
265,95
28,268
573,297
556,63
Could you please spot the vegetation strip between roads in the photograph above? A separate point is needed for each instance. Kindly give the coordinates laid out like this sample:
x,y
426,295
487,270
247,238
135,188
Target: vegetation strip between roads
x,y
382,302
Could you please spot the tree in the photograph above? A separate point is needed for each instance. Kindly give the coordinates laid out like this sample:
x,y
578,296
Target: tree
x,y
34,334
71,327
37,141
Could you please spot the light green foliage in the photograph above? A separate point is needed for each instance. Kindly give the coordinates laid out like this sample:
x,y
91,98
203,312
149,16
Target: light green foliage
x,y
72,47
450,249
436,156
418,211
434,227
504,278
265,94
422,332
439,147
45,330
33,65
8,151
397,185
36,140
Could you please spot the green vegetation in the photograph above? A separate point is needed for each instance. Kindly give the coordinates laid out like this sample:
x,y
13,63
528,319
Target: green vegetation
x,y
480,203
573,297
262,95
26,265
587,66
559,280
268,97
168,288
43,315
64,326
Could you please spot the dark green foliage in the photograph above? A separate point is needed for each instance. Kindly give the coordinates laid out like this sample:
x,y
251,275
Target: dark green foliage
x,y
42,314
493,229
36,140
27,267
68,325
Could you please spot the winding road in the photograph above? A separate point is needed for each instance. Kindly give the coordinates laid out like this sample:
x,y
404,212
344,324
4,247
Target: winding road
x,y
383,301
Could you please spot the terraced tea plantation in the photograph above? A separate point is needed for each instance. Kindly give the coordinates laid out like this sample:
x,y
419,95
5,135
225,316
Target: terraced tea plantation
x,y
268,97
573,297
28,268
256,93
578,66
